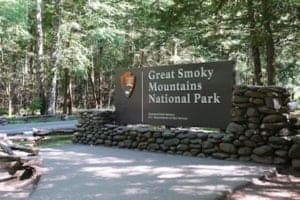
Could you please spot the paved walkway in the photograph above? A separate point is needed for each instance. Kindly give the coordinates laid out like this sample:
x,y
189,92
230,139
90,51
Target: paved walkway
x,y
21,128
77,172
285,186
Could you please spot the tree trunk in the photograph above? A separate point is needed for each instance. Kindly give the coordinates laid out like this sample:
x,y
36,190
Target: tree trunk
x,y
128,48
174,58
270,47
40,77
8,91
13,84
101,89
257,64
110,92
55,60
92,80
85,100
70,98
52,94
66,88
24,76
2,54
270,59
100,79
254,44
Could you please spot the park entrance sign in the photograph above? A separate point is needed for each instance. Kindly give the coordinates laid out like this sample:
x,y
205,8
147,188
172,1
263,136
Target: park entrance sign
x,y
177,95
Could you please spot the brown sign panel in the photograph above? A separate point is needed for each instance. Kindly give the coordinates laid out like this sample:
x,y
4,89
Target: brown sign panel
x,y
178,95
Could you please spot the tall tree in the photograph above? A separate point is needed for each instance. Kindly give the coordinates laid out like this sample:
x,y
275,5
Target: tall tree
x,y
55,59
268,17
254,42
40,76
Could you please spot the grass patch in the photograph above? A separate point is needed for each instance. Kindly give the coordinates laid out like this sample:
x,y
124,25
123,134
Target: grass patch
x,y
56,140
49,141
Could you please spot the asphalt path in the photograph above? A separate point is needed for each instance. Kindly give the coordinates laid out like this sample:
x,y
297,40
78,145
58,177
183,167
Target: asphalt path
x,y
82,172
10,129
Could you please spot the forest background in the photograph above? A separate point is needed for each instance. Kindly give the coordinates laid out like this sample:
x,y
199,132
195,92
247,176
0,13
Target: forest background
x,y
60,55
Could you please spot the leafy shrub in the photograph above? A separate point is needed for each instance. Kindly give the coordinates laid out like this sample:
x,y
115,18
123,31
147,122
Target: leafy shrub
x,y
35,105
3,111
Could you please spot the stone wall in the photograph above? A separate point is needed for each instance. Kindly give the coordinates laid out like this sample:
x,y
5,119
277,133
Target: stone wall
x,y
260,131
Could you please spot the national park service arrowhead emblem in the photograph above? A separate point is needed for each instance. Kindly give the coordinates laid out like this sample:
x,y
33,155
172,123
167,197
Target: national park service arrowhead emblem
x,y
128,80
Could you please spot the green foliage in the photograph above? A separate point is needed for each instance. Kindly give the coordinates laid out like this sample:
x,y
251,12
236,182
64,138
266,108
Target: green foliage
x,y
98,36
36,104
14,23
14,11
289,73
3,111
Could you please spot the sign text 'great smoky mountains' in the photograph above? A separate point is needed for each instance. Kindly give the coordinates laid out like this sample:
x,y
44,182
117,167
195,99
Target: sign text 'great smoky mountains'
x,y
177,95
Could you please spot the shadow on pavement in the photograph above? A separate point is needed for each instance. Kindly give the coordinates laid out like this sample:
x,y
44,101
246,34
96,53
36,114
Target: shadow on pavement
x,y
84,172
